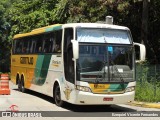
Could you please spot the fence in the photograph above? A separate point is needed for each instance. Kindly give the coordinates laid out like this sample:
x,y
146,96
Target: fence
x,y
148,82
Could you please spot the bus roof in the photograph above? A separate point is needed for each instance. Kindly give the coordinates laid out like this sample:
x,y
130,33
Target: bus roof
x,y
60,26
95,25
39,31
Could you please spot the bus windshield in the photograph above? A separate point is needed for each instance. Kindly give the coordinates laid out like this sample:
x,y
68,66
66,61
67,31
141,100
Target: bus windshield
x,y
103,35
105,63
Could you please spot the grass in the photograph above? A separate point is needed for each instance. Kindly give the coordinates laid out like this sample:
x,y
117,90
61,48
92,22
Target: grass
x,y
147,89
147,92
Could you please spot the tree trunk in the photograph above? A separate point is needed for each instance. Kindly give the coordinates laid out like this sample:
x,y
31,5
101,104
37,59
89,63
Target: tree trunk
x,y
144,29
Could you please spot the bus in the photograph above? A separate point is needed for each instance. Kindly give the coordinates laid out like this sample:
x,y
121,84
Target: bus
x,y
77,63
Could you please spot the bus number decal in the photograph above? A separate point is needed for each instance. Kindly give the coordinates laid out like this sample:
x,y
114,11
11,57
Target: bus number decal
x,y
26,60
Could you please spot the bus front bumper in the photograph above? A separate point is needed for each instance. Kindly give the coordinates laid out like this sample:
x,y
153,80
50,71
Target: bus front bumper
x,y
86,98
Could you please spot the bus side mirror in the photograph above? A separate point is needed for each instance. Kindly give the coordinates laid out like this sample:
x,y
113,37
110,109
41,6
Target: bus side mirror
x,y
75,46
142,53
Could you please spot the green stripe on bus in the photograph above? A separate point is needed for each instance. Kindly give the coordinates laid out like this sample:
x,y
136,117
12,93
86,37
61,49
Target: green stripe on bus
x,y
41,69
53,28
117,87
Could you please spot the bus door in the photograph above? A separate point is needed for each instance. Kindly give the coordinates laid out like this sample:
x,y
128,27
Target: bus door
x,y
69,71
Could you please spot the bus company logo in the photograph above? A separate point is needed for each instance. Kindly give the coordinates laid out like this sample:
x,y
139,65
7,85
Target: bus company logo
x,y
56,63
67,92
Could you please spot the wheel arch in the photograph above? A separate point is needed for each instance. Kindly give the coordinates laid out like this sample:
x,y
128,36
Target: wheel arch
x,y
54,86
60,100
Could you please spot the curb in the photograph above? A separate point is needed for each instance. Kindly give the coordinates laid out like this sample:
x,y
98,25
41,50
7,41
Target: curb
x,y
143,104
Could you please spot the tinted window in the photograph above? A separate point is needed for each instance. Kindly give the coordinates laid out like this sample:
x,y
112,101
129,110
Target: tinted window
x,y
43,43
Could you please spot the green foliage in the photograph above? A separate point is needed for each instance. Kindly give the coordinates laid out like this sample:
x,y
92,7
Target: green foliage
x,y
154,28
147,87
146,93
19,16
27,15
95,10
4,41
60,12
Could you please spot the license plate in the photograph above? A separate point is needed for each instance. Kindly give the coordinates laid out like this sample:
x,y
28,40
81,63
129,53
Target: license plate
x,y
107,99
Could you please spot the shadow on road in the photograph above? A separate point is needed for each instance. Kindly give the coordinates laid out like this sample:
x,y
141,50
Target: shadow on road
x,y
81,108
97,108
39,95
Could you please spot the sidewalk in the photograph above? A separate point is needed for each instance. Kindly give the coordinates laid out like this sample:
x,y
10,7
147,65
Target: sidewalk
x,y
145,104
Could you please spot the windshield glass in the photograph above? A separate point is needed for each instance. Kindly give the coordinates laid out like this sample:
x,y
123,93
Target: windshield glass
x,y
105,63
103,35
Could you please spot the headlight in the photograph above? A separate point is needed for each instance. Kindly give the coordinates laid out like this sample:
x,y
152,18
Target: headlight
x,y
130,89
83,88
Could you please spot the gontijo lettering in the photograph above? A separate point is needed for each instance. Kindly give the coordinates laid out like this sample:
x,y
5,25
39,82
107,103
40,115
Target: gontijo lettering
x,y
26,60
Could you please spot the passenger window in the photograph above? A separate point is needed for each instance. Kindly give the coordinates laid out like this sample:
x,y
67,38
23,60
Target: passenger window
x,y
43,43
39,43
57,41
33,46
47,43
19,45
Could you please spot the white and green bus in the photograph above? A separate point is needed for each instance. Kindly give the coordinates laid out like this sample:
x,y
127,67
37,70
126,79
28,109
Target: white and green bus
x,y
78,63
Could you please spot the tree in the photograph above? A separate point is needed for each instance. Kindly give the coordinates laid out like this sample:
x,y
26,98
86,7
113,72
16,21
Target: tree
x,y
4,42
19,16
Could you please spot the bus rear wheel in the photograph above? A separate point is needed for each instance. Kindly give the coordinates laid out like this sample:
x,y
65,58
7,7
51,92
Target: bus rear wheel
x,y
19,85
57,96
22,85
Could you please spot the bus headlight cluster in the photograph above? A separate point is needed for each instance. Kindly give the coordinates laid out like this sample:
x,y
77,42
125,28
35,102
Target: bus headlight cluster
x,y
83,88
130,89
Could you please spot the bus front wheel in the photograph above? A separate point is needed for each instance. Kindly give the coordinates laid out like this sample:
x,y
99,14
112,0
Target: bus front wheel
x,y
57,96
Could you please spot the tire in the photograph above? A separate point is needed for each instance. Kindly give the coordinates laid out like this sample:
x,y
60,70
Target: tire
x,y
19,85
57,96
22,85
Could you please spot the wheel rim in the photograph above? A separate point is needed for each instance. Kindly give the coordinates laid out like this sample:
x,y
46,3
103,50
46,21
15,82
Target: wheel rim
x,y
57,96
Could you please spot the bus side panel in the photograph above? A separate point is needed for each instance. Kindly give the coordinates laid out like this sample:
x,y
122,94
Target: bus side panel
x,y
41,69
23,65
55,73
13,69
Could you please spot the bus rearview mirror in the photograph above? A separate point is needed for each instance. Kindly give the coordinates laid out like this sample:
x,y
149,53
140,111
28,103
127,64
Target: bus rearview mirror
x,y
75,46
142,52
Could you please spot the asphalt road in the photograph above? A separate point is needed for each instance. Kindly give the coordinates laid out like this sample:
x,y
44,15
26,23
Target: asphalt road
x,y
33,101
